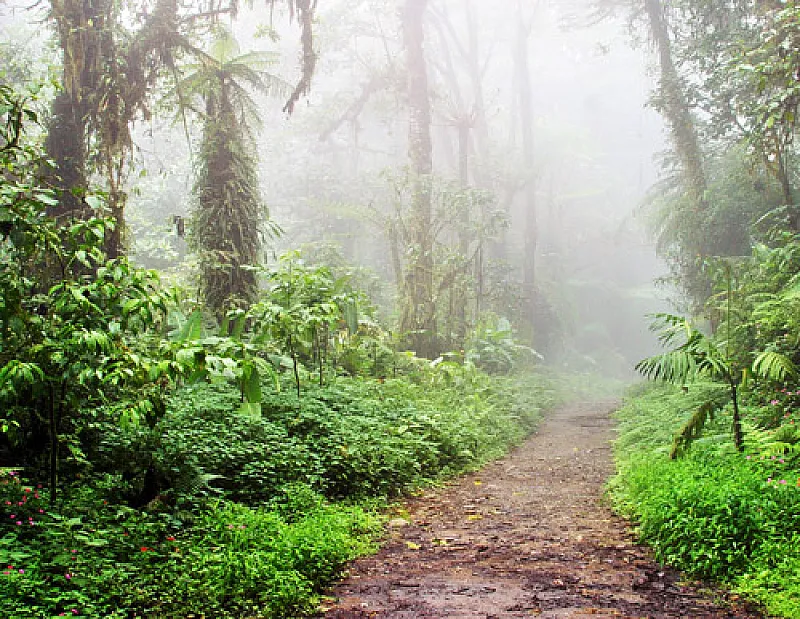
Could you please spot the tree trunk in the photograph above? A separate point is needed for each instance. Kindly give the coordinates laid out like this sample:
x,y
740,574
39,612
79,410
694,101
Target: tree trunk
x,y
418,312
66,147
738,439
84,39
459,293
675,107
525,97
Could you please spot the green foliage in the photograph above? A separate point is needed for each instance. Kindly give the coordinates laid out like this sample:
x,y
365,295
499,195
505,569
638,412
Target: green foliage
x,y
693,428
697,356
228,355
94,559
714,513
354,438
741,61
303,310
492,347
191,551
196,484
73,325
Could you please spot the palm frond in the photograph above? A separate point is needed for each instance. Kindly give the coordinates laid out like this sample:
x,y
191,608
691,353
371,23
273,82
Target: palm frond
x,y
694,354
675,367
224,46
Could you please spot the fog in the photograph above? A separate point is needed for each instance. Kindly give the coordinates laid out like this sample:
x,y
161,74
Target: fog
x,y
329,171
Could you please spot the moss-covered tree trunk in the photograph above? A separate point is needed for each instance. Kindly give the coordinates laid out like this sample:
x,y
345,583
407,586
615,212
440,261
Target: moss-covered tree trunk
x,y
673,103
228,213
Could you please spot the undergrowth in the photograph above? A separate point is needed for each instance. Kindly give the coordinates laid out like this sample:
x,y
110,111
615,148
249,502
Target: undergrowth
x,y
714,513
224,514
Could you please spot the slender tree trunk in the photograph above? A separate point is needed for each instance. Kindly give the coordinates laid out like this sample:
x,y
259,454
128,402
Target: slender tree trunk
x,y
675,107
525,96
418,311
781,170
53,423
738,439
295,368
459,294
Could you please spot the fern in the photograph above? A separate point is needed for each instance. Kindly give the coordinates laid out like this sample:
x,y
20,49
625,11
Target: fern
x,y
773,366
696,355
693,428
783,442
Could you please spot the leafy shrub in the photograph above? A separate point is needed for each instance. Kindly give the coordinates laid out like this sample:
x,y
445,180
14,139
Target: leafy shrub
x,y
697,515
354,438
493,349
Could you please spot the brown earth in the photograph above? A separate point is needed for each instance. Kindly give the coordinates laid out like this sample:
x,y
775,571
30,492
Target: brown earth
x,y
530,535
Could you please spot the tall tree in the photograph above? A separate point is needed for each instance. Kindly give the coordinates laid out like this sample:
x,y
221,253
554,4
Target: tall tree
x,y
524,95
418,311
110,60
672,101
229,215
113,54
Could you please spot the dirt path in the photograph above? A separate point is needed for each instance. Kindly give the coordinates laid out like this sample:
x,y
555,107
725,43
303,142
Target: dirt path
x,y
527,536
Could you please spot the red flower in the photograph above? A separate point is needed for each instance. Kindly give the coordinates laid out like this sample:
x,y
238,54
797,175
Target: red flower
x,y
144,549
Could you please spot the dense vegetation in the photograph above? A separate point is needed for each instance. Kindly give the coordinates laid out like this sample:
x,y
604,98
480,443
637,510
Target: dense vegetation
x,y
709,467
218,444
715,512
710,471
162,465
253,515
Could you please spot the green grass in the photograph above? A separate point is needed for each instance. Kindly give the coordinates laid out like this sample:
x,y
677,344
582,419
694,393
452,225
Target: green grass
x,y
714,513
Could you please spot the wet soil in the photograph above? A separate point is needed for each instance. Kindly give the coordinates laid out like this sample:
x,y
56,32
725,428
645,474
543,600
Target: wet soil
x,y
530,535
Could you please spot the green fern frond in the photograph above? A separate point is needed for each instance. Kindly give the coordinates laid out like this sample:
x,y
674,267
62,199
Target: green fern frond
x,y
773,366
782,442
693,428
675,367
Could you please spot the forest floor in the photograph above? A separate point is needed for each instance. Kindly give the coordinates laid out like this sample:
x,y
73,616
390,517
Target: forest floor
x,y
529,535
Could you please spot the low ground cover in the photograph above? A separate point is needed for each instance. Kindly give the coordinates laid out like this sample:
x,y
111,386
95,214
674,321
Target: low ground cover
x,y
234,515
715,512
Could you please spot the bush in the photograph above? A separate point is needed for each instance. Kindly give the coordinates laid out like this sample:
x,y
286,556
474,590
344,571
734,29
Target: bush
x,y
354,438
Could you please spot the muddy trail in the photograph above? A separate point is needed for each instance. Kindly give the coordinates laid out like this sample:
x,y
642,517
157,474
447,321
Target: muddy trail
x,y
529,535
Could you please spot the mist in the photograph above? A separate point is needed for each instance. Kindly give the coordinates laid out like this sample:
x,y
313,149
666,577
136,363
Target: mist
x,y
330,173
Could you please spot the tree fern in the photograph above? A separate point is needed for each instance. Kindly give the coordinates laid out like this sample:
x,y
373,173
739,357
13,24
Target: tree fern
x,y
228,221
696,355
